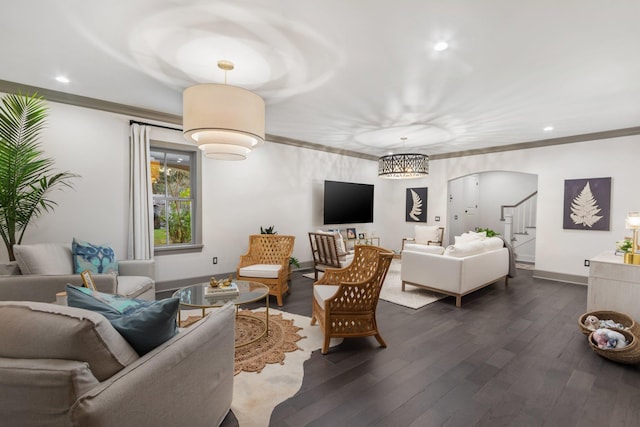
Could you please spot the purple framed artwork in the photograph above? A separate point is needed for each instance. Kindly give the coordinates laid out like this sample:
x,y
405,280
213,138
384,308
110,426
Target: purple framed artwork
x,y
587,204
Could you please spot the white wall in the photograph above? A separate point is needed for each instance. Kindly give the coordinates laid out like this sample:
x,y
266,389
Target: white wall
x,y
281,185
278,185
557,250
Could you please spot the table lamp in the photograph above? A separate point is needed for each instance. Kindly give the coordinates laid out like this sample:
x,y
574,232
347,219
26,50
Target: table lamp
x,y
632,222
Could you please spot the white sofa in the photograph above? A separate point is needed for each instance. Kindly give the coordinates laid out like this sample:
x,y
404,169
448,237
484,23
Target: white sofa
x,y
457,270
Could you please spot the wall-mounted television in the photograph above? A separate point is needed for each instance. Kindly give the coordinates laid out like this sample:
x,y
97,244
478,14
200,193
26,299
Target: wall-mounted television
x,y
347,203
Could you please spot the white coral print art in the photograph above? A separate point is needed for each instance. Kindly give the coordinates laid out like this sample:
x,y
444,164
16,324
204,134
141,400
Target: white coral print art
x,y
584,208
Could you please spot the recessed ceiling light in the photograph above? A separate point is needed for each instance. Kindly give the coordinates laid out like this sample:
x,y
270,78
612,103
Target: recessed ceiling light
x,y
62,79
548,128
440,46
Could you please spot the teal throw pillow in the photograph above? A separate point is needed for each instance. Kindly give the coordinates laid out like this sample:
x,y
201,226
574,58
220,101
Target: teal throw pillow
x,y
98,259
144,324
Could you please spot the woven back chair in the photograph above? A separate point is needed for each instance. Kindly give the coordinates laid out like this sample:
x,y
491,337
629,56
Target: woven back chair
x,y
324,248
345,299
266,253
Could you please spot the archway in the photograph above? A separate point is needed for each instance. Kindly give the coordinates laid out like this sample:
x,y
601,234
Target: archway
x,y
476,200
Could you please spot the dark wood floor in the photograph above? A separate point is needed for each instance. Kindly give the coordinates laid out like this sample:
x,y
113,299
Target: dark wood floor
x,y
510,356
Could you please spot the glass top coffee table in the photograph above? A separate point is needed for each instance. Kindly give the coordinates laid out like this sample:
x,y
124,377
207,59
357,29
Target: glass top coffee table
x,y
195,296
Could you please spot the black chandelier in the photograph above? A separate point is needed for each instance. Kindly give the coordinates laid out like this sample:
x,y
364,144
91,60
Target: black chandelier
x,y
400,166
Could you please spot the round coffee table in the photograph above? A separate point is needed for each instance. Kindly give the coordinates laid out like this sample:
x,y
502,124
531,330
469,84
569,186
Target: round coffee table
x,y
195,296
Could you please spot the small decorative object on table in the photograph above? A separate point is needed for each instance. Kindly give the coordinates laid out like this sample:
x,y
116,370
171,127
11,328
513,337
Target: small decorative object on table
x,y
224,288
624,247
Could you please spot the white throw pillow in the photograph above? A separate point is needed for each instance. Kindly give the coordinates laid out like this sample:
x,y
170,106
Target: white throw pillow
x,y
44,258
469,237
492,243
464,249
342,247
423,234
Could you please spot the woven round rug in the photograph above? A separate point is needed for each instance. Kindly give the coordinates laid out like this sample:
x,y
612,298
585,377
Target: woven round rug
x,y
282,338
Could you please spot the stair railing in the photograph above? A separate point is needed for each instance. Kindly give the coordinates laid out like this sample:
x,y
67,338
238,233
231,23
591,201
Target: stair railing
x,y
520,216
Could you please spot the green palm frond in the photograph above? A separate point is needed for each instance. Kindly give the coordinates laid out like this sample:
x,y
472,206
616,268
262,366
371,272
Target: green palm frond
x,y
26,176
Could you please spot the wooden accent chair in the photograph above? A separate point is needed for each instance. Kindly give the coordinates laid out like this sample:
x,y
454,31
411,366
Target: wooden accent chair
x,y
345,299
426,235
326,252
267,261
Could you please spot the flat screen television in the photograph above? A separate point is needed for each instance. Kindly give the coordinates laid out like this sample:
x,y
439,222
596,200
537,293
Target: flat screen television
x,y
347,203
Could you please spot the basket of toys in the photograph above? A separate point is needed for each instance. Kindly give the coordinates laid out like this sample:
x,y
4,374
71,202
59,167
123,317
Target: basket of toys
x,y
593,320
617,345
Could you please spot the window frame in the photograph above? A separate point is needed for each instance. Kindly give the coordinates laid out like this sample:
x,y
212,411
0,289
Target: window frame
x,y
196,196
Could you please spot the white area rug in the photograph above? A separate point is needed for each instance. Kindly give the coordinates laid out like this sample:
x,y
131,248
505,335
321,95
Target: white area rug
x,y
255,395
413,297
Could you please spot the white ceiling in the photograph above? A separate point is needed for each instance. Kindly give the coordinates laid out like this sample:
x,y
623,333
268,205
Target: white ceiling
x,y
353,74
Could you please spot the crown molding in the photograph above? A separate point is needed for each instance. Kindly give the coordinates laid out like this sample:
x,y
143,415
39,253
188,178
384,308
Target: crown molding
x,y
143,113
616,133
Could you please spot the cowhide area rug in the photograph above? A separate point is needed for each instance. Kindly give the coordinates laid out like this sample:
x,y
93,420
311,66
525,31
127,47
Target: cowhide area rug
x,y
259,388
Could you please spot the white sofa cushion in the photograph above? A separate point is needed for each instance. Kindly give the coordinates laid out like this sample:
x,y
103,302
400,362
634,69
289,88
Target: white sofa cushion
x,y
36,330
323,292
265,271
44,258
423,234
429,249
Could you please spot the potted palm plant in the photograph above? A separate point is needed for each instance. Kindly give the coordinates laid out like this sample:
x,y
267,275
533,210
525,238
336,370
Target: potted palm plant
x,y
26,176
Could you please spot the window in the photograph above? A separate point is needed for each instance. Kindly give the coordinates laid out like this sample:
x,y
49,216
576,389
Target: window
x,y
174,185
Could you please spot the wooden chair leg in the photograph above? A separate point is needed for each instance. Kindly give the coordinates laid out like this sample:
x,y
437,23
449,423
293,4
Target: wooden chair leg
x,y
325,345
380,340
279,299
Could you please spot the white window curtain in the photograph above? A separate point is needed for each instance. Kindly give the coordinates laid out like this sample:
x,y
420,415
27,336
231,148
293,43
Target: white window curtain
x,y
140,195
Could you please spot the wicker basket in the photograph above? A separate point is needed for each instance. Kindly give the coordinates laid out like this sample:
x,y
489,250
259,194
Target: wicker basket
x,y
630,354
617,317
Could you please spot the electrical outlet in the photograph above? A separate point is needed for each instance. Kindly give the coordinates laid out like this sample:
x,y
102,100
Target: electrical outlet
x,y
437,218
215,259
587,263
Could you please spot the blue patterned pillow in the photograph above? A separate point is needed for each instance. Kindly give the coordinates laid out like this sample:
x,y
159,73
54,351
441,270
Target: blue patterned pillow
x,y
144,324
98,259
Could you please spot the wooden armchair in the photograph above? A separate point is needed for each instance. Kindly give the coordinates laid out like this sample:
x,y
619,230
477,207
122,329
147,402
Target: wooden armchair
x,y
345,299
426,235
267,261
326,252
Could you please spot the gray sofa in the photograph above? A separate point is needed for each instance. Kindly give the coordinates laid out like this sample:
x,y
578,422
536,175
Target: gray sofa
x,y
65,366
44,269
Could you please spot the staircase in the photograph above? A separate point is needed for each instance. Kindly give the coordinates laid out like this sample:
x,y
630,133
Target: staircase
x,y
520,226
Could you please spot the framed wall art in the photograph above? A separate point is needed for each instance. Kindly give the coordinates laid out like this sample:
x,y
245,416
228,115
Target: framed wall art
x,y
416,208
587,204
351,233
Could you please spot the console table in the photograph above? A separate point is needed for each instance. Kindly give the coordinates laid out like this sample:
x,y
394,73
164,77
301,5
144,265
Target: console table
x,y
613,285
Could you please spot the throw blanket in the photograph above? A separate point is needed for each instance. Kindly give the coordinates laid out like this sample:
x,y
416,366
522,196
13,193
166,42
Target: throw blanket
x,y
512,257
